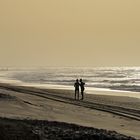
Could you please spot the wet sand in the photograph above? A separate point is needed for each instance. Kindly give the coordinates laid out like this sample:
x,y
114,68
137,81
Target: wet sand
x,y
21,106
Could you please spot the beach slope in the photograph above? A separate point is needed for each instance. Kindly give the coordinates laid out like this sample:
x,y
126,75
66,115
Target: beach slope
x,y
27,104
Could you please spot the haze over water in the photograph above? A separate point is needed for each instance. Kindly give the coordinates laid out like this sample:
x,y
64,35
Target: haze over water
x,y
117,78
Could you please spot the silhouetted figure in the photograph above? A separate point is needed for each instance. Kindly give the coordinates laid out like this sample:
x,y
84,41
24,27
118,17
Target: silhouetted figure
x,y
76,85
82,85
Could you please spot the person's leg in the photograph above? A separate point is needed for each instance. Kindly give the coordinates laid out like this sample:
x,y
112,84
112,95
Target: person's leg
x,y
82,93
78,94
75,94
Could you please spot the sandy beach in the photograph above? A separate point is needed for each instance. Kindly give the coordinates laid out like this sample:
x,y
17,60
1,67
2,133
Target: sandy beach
x,y
29,103
50,49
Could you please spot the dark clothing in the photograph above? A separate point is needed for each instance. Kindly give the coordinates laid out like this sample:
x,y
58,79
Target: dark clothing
x,y
76,85
76,94
82,85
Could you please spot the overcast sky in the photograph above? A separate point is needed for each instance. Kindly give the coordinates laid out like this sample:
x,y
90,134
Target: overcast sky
x,y
69,32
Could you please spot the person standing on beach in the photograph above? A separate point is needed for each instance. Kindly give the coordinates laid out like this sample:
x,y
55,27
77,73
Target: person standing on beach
x,y
76,85
82,85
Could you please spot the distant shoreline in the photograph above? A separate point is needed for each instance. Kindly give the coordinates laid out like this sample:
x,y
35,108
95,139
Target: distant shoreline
x,y
124,79
88,90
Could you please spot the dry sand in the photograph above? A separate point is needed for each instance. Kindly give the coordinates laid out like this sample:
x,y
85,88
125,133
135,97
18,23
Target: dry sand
x,y
19,105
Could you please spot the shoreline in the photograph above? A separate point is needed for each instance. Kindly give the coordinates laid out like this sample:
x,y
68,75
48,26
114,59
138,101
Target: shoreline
x,y
88,90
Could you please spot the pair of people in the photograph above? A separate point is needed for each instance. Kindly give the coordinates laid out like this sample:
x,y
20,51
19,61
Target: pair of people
x,y
78,84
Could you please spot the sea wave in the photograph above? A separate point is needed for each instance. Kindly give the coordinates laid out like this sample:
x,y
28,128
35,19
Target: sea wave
x,y
116,78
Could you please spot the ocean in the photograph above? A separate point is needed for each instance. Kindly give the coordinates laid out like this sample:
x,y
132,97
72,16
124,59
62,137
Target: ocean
x,y
113,78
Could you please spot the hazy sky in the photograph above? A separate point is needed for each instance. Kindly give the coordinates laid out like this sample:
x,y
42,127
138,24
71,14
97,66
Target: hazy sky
x,y
69,32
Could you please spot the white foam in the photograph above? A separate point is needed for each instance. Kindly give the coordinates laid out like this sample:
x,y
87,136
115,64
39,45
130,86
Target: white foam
x,y
89,90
